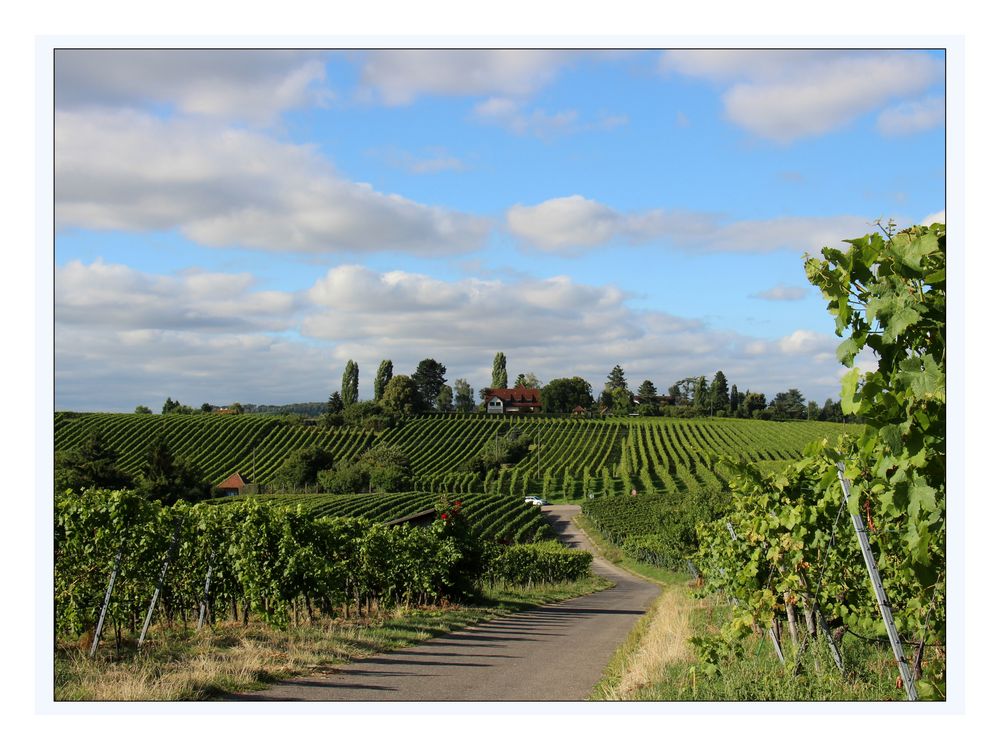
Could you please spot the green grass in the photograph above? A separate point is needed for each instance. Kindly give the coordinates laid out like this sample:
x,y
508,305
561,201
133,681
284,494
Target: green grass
x,y
757,675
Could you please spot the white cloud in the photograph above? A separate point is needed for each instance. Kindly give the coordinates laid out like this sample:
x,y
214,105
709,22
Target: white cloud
x,y
231,187
935,218
565,223
785,95
398,77
912,116
574,224
515,117
124,337
781,293
251,85
109,296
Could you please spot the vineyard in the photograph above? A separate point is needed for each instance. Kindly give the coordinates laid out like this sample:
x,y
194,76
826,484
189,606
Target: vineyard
x,y
569,459
275,560
492,517
851,538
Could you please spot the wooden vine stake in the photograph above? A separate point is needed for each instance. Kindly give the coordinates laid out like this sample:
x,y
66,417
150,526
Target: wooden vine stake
x,y
880,595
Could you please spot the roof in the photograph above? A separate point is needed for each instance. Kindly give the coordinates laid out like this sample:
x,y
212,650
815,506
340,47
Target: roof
x,y
233,482
516,395
579,410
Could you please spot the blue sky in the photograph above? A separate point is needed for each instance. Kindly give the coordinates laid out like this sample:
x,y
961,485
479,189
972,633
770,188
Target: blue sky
x,y
235,225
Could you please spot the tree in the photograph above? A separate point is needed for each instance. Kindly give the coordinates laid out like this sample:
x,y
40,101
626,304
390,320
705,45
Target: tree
x,y
428,379
170,406
562,395
444,399
753,403
499,370
388,469
401,396
700,397
206,407
789,404
302,467
616,379
735,399
167,478
236,408
647,391
382,378
831,412
334,404
465,400
621,401
718,402
93,464
683,391
812,410
349,383
140,409
527,381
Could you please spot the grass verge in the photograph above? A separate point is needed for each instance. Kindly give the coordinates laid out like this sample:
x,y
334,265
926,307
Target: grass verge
x,y
178,665
658,663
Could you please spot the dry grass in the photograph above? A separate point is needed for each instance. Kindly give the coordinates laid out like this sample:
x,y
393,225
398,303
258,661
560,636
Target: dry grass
x,y
229,657
660,642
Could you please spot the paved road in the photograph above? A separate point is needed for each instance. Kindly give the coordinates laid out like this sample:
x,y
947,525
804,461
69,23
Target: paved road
x,y
555,652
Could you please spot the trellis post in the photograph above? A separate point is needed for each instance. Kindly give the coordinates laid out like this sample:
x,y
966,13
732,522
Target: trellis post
x,y
880,596
159,583
107,599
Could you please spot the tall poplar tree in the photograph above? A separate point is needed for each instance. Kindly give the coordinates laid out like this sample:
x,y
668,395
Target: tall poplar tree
x,y
499,371
349,383
382,378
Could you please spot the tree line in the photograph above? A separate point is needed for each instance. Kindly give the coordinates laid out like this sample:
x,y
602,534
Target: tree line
x,y
426,390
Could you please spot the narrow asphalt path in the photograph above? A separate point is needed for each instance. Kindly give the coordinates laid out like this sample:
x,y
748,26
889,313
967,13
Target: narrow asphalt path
x,y
556,652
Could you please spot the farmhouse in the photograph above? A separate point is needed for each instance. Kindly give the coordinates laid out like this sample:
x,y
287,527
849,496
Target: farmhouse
x,y
513,400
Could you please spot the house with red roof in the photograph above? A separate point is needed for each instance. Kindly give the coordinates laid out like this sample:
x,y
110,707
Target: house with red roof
x,y
513,400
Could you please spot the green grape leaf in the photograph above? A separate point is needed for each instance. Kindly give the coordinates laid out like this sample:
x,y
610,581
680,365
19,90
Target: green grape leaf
x,y
848,391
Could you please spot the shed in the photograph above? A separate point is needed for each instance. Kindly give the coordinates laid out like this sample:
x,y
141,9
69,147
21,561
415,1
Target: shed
x,y
233,485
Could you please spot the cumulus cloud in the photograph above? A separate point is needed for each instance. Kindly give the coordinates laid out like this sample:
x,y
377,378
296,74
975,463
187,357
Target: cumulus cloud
x,y
912,116
935,218
231,187
398,77
575,224
124,337
252,85
785,95
781,293
115,297
554,327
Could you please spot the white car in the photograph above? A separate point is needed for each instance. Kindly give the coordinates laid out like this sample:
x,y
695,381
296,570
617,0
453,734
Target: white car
x,y
535,500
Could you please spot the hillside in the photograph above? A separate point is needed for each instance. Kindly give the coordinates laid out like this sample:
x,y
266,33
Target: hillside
x,y
568,458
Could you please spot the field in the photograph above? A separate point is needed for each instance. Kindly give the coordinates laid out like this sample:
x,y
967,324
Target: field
x,y
570,459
